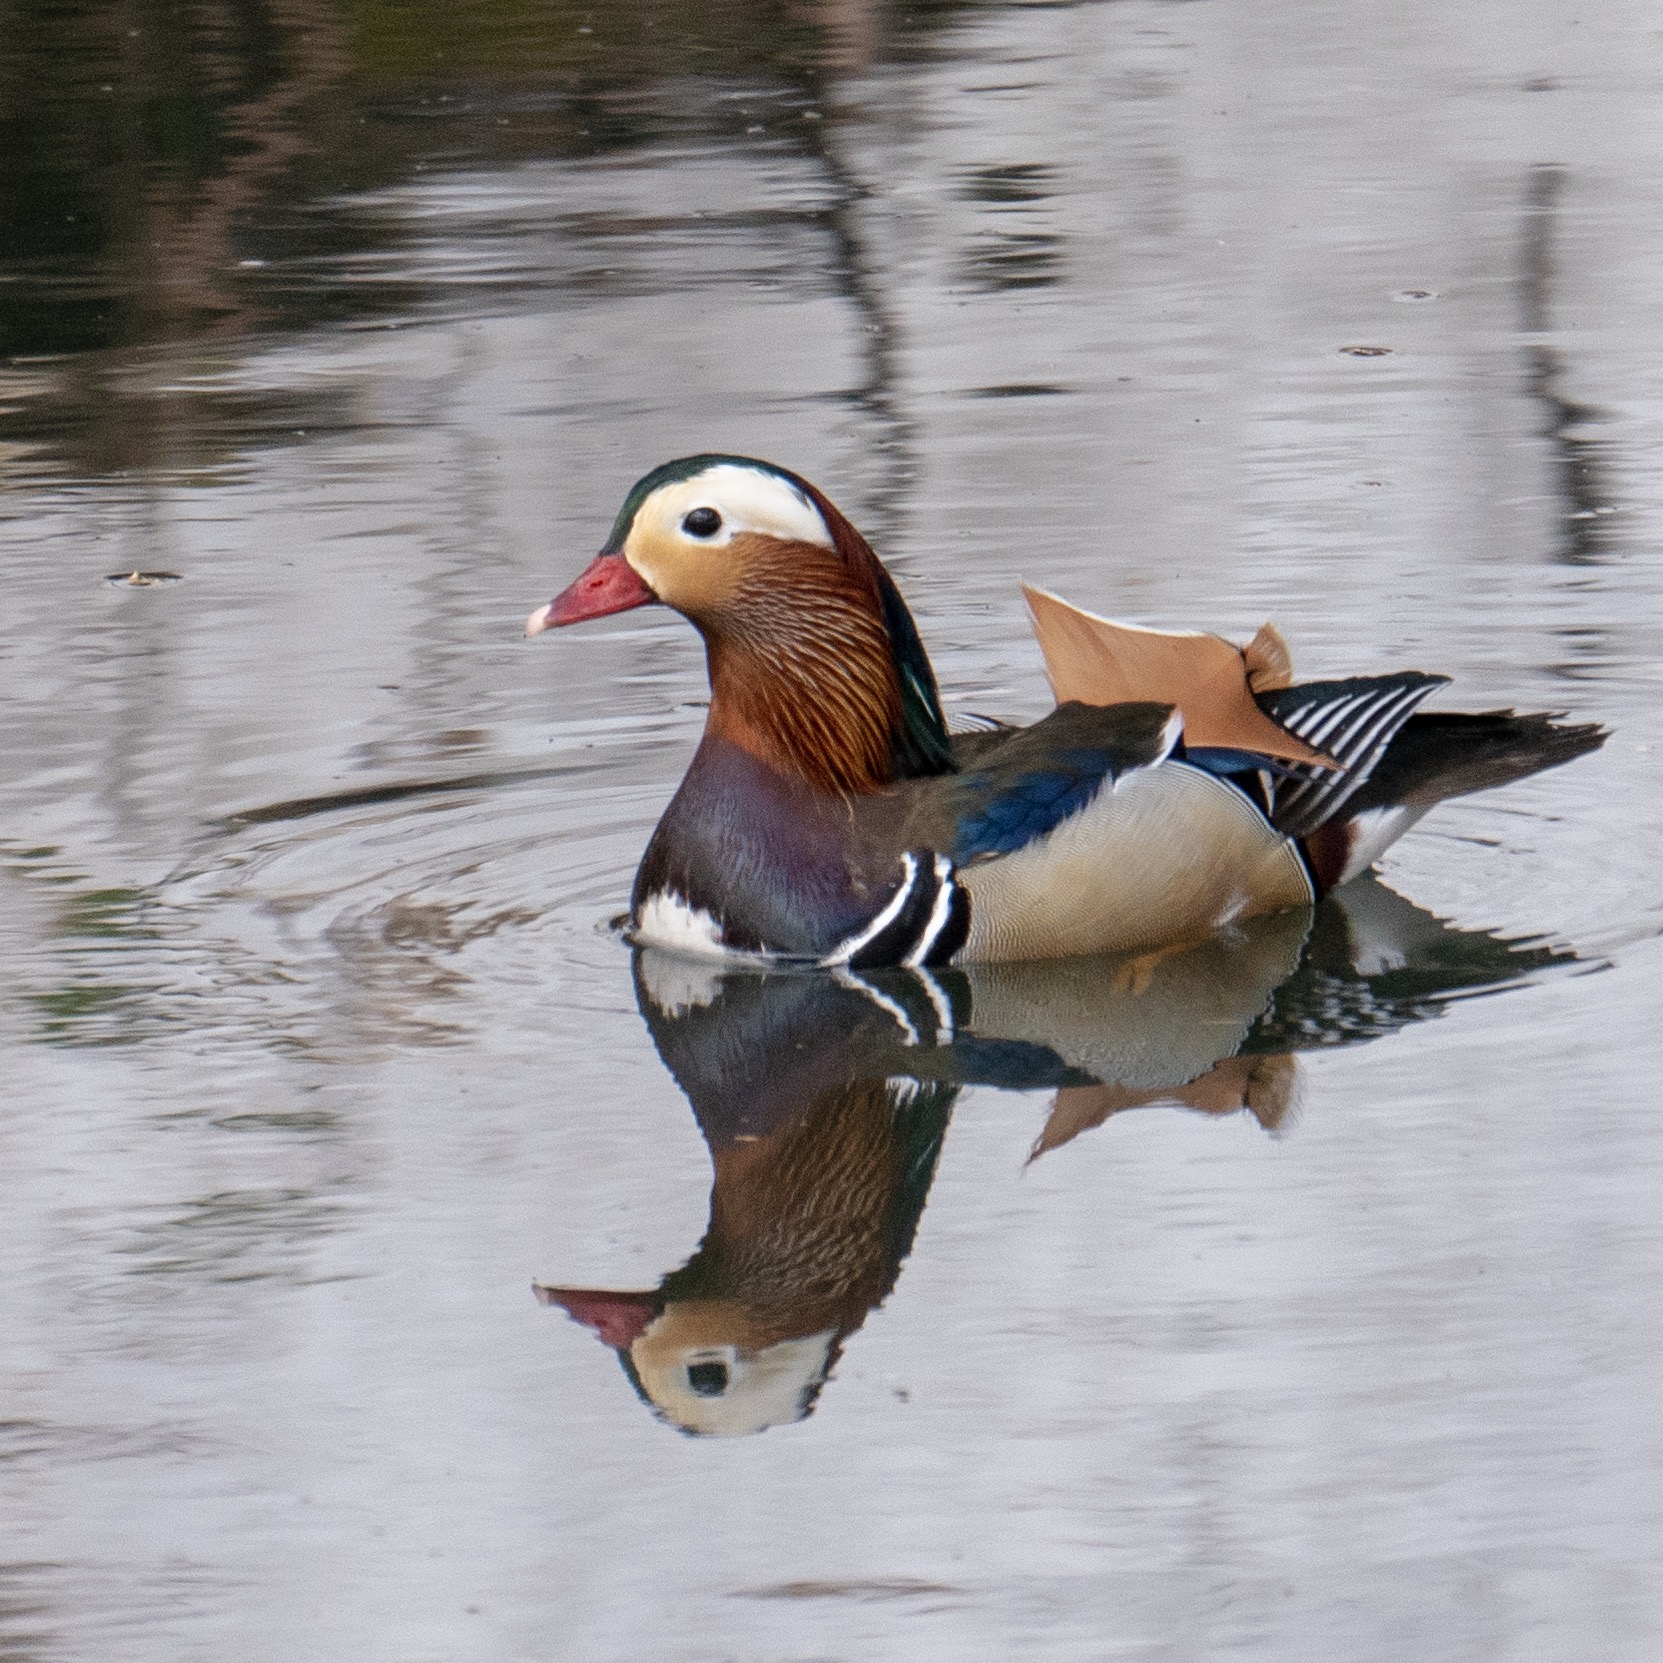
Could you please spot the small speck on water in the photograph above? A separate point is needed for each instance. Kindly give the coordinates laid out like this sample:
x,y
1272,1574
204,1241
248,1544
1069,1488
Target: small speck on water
x,y
1365,351
1414,296
139,580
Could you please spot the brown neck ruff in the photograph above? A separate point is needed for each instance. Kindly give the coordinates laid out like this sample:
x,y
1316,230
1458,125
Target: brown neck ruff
x,y
802,671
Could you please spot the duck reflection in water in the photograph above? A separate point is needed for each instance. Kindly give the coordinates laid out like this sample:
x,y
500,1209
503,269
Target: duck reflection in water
x,y
825,1099
823,1155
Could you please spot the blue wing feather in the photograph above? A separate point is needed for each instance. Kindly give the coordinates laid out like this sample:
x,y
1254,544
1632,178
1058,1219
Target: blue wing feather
x,y
1028,808
1225,760
1028,785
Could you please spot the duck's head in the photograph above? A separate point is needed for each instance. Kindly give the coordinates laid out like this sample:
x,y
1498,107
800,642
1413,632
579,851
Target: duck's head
x,y
695,534
703,1369
815,661
707,1366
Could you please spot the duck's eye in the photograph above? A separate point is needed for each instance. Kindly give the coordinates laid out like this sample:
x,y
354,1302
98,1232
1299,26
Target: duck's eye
x,y
702,522
707,1379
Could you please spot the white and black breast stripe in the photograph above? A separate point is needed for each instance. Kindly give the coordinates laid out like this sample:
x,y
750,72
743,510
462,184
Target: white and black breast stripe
x,y
851,947
941,907
924,922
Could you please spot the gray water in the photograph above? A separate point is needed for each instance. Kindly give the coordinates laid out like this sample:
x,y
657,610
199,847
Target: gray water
x,y
323,1059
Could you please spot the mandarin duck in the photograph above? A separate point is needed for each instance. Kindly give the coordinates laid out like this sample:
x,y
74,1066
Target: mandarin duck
x,y
830,818
821,1164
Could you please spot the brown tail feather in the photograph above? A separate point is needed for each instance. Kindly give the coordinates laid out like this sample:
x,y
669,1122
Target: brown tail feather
x,y
1439,754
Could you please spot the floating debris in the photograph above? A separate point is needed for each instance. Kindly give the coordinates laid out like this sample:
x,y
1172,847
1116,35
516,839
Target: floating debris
x,y
1365,351
139,580
1414,296
1020,389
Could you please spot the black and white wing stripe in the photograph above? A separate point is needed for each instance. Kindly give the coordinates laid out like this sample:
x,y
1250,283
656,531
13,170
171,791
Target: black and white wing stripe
x,y
924,922
1353,722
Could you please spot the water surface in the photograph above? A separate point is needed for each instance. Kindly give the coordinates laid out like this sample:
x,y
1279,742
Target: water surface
x,y
1294,1299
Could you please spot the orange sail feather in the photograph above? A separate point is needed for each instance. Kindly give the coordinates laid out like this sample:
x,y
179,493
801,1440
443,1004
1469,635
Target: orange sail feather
x,y
1210,680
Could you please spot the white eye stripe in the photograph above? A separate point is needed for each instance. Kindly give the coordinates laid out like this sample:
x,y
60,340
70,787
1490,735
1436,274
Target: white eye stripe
x,y
747,499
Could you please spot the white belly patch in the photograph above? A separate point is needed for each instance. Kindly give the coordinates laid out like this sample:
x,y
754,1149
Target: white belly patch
x,y
669,921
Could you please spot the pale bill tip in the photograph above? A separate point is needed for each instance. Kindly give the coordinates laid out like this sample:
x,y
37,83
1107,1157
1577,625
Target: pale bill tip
x,y
540,620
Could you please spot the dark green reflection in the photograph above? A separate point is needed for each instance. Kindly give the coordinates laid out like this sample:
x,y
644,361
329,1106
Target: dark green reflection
x,y
179,176
824,1100
174,170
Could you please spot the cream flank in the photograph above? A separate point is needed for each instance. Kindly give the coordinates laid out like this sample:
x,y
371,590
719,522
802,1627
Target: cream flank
x,y
1168,853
